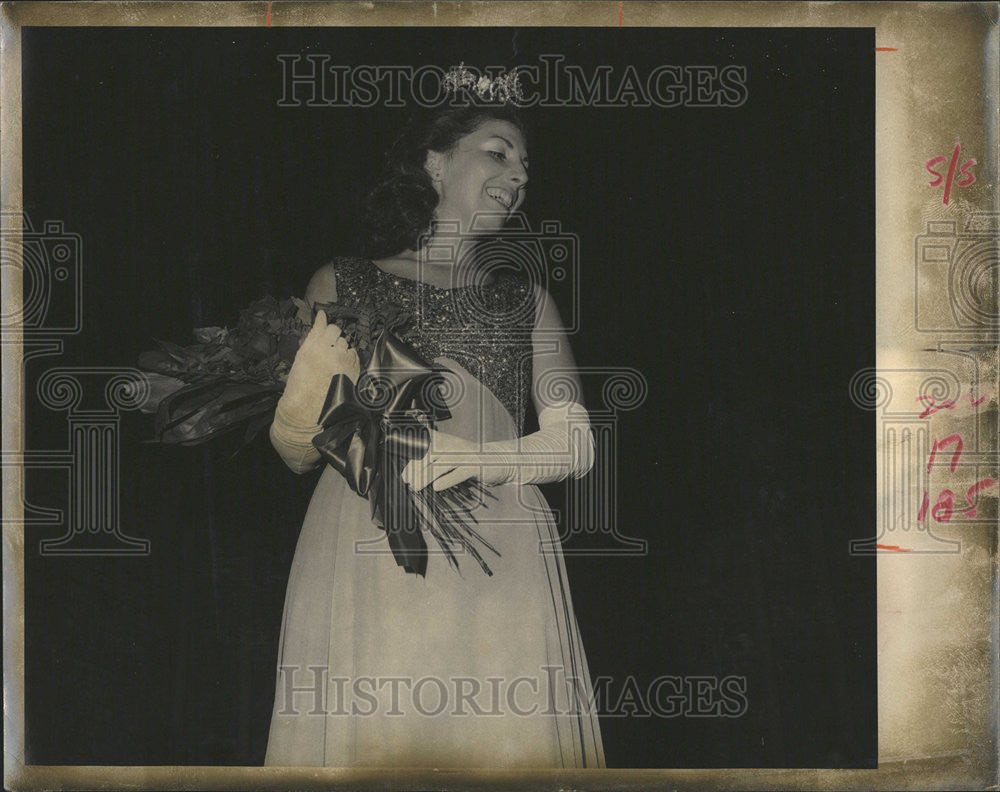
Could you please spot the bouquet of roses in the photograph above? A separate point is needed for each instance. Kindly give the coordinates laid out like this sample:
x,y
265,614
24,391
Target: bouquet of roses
x,y
232,379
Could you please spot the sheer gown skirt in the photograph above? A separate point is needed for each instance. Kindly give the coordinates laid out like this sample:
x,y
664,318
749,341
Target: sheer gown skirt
x,y
379,667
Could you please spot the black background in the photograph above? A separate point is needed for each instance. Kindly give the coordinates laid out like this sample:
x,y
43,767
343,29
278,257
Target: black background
x,y
726,253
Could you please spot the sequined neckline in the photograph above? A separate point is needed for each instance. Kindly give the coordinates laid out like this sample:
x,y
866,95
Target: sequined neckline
x,y
424,284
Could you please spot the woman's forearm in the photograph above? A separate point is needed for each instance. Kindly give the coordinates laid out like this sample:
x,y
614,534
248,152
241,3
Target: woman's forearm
x,y
324,353
563,447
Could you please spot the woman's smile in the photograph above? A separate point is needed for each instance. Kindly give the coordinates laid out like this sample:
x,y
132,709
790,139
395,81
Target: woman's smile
x,y
486,169
503,197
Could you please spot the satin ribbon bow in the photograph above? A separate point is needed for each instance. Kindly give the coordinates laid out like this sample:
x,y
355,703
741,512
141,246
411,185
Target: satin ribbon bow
x,y
370,431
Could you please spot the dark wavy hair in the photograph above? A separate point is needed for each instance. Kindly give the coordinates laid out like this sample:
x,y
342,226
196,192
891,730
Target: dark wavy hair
x,y
399,208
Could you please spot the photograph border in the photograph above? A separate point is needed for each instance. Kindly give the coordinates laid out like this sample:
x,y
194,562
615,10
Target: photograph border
x,y
923,51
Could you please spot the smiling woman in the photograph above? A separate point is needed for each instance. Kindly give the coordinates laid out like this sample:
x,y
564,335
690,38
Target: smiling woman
x,y
443,165
485,168
480,182
457,668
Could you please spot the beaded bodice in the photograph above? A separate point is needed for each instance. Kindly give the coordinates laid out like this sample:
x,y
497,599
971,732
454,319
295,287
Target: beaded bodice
x,y
485,328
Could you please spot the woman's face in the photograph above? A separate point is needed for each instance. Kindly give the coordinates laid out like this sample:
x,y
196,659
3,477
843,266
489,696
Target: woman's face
x,y
484,176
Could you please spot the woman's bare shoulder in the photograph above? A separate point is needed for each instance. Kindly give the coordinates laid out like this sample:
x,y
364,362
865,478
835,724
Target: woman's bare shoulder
x,y
323,284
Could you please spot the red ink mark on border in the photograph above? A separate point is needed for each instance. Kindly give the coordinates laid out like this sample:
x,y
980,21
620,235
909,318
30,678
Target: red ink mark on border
x,y
887,49
968,178
269,14
947,404
893,547
955,439
951,172
620,12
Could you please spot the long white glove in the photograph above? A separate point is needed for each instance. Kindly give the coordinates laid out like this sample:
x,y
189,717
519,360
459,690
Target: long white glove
x,y
563,447
323,353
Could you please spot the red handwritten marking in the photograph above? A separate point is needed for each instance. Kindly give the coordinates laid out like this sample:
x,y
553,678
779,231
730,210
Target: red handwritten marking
x,y
943,510
968,179
620,13
947,404
269,15
922,514
975,488
951,172
893,547
959,445
945,506
887,49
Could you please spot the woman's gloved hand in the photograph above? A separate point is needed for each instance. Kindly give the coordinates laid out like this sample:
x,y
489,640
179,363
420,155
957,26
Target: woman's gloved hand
x,y
323,353
451,460
563,447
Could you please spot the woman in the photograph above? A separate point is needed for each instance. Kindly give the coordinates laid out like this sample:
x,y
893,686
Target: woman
x,y
378,667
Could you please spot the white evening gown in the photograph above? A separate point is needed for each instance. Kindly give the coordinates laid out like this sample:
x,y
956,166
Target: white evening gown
x,y
379,667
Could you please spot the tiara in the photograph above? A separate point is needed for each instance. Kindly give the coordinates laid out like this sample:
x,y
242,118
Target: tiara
x,y
505,88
